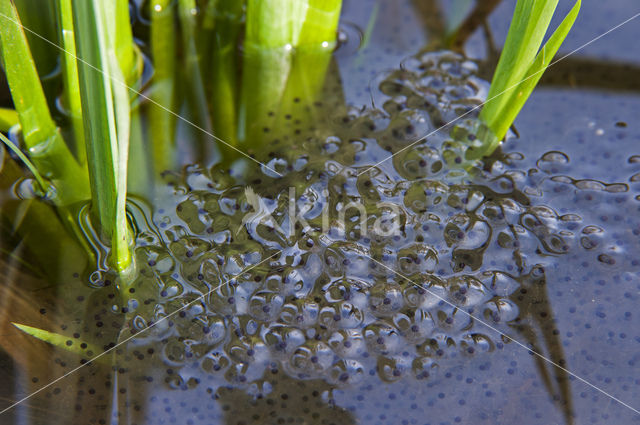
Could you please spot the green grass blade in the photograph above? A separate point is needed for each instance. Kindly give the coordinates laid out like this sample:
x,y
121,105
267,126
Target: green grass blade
x,y
511,87
529,24
105,105
71,84
73,345
8,118
121,237
44,143
519,95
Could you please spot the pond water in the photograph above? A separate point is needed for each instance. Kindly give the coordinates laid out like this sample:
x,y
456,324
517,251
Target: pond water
x,y
507,291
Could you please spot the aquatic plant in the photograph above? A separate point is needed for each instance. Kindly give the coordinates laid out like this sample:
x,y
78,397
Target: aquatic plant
x,y
522,64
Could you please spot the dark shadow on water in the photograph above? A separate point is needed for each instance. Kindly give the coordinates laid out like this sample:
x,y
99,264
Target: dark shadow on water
x,y
288,401
537,326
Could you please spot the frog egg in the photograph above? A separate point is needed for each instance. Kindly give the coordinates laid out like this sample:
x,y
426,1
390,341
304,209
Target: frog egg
x,y
417,258
222,299
452,320
424,367
213,330
427,295
282,340
188,249
347,343
466,291
209,270
342,315
188,211
344,373
334,262
385,300
418,161
157,261
345,290
243,374
415,329
248,350
500,310
176,382
302,313
393,368
382,338
175,351
215,362
265,305
472,344
311,359
501,284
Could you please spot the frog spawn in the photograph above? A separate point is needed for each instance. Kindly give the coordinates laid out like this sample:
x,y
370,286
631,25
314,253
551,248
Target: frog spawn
x,y
327,306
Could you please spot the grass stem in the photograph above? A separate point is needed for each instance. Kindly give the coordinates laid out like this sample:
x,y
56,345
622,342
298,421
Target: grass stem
x,y
106,107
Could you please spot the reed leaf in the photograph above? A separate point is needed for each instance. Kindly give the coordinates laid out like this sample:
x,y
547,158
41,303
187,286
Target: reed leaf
x,y
523,62
81,348
105,106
